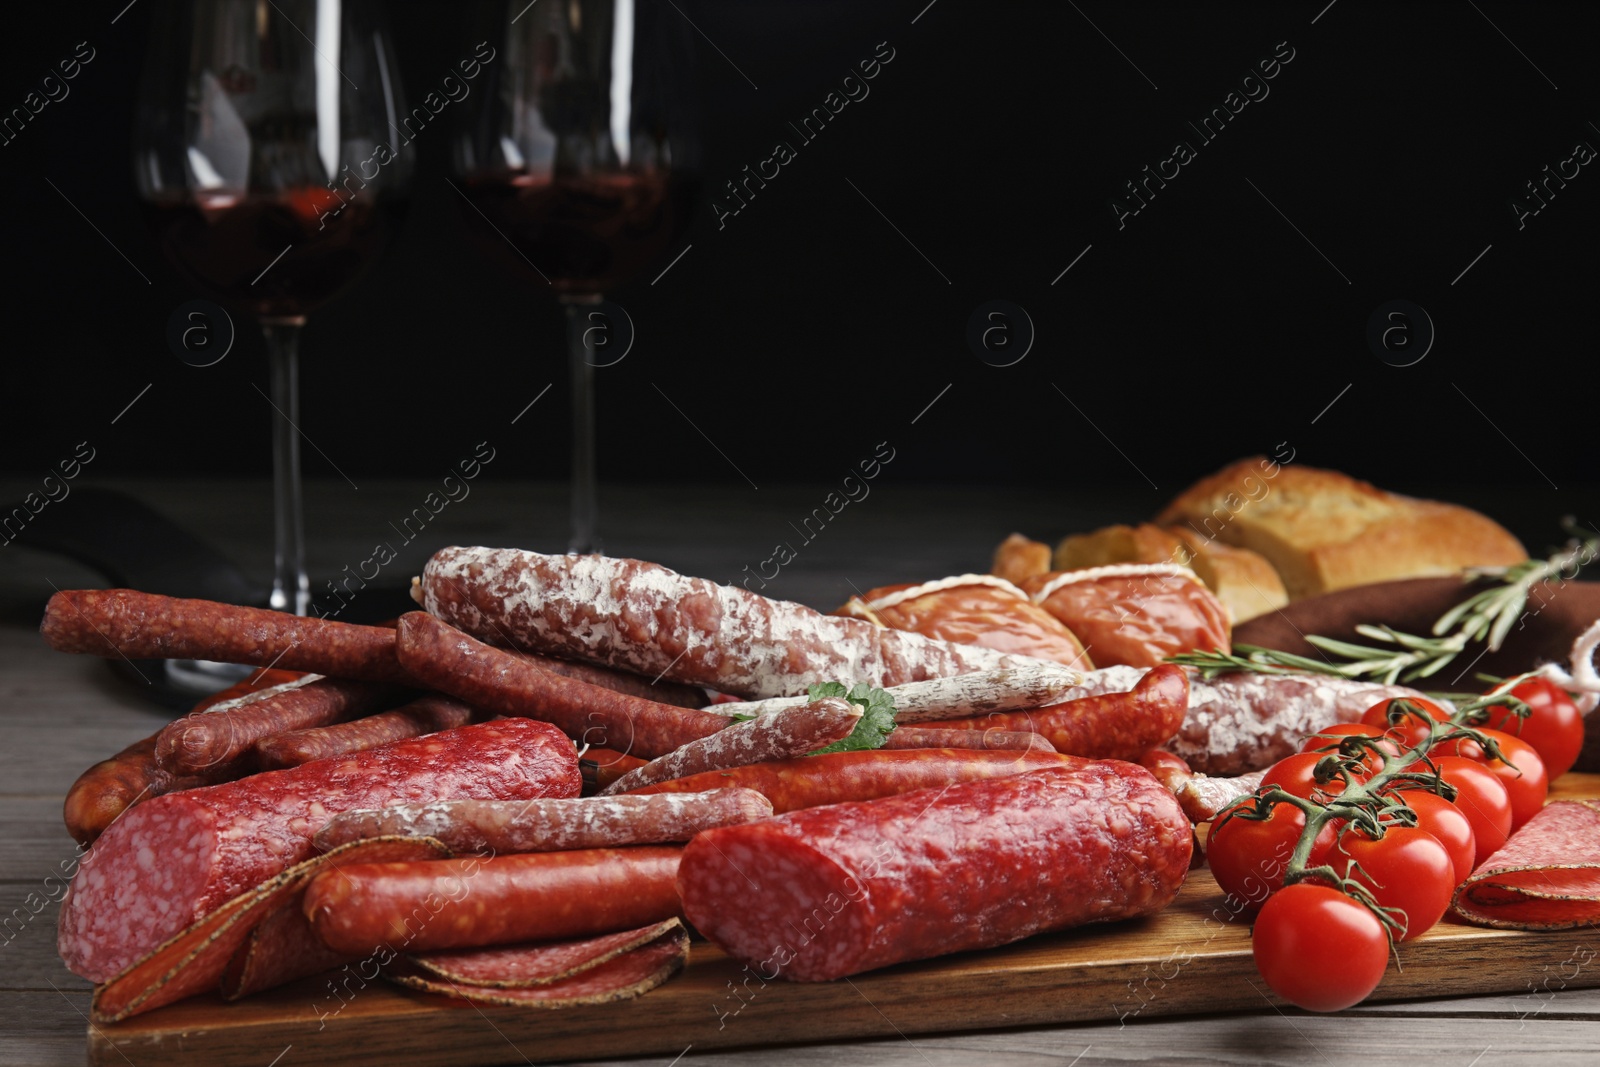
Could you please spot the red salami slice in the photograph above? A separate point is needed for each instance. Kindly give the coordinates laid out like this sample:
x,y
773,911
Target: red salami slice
x,y
521,966
194,960
1546,877
170,860
281,948
835,891
497,826
623,977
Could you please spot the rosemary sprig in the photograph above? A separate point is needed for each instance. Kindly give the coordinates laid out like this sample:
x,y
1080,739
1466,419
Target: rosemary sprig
x,y
1487,615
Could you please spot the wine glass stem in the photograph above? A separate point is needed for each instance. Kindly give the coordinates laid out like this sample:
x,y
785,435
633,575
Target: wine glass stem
x,y
580,357
291,590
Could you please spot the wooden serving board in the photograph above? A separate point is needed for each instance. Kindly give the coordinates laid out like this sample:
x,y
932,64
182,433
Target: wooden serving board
x,y
1193,957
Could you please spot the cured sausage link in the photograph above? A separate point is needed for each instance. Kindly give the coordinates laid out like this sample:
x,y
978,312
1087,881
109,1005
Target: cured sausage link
x,y
785,734
684,696
110,787
645,618
127,623
837,777
228,730
992,740
171,860
958,696
1110,726
425,715
551,825
472,901
838,890
446,659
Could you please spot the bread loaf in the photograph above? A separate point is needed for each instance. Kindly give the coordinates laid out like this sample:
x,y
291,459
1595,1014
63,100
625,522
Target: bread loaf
x,y
1322,530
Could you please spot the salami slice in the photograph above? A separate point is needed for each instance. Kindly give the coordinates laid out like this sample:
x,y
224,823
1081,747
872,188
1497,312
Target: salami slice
x,y
425,715
782,735
838,777
125,623
1546,877
1135,613
642,617
835,891
194,960
522,966
623,977
173,859
497,826
280,949
972,609
473,901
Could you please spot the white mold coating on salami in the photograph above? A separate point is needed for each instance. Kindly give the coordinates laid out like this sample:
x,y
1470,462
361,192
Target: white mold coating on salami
x,y
955,697
646,618
1246,721
175,858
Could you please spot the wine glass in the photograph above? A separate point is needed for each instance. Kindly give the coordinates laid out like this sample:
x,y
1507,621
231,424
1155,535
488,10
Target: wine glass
x,y
272,174
578,159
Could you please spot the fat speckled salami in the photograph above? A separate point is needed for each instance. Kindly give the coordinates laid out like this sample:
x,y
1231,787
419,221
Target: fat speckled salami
x,y
551,825
642,617
784,734
1546,877
170,860
835,891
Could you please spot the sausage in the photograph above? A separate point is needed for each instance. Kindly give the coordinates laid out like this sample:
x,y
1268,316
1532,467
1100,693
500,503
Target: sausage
x,y
846,776
1136,614
110,787
602,766
125,623
446,659
684,696
173,859
524,966
924,737
1203,798
425,715
644,618
834,891
550,825
955,697
782,735
973,609
472,900
230,729
1109,726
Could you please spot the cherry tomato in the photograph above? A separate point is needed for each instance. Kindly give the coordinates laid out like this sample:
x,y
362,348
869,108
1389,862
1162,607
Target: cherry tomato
x,y
1520,770
1249,856
1328,739
1405,869
1296,775
1448,825
1410,730
1482,798
1318,949
1554,726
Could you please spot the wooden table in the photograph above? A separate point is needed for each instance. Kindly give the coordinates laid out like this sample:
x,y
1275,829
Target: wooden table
x,y
62,713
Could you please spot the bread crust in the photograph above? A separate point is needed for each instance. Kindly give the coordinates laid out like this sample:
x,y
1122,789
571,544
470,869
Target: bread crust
x,y
1323,530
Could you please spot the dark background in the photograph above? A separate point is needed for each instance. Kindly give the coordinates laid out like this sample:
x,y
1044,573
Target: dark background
x,y
807,329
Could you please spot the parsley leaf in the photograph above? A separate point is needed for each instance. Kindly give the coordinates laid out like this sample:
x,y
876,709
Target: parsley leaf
x,y
877,718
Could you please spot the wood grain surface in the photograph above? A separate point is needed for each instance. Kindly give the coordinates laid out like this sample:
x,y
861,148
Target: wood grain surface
x,y
61,713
